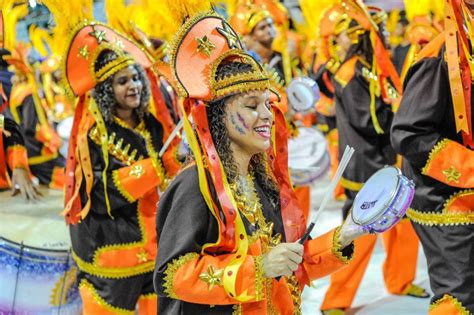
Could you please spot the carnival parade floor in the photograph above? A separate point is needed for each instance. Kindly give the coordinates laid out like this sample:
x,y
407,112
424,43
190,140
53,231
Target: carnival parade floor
x,y
372,298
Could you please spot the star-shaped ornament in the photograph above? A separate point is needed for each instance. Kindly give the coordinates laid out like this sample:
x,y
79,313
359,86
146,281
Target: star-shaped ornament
x,y
99,35
229,34
84,52
205,46
119,43
137,171
142,256
452,174
212,277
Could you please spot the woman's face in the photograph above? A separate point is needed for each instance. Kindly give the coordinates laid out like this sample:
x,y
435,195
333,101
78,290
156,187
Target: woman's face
x,y
344,43
127,88
249,121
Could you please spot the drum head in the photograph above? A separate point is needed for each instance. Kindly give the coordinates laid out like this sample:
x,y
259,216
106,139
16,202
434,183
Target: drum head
x,y
376,195
302,93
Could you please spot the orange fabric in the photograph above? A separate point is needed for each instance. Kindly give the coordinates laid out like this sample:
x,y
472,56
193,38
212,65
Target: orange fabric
x,y
148,305
126,255
463,203
188,287
447,306
333,148
433,48
58,178
137,178
49,137
346,72
452,165
399,267
17,157
90,306
303,193
319,258
401,245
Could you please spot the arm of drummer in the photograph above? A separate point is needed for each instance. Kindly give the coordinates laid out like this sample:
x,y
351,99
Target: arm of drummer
x,y
416,128
183,271
328,252
125,184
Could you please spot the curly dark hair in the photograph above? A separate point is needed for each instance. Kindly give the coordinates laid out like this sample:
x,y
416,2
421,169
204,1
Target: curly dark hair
x,y
103,93
216,116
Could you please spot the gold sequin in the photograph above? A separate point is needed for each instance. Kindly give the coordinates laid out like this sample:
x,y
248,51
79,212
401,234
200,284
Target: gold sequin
x,y
84,52
142,256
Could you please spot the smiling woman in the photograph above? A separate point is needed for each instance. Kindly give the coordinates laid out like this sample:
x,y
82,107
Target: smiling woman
x,y
116,170
228,225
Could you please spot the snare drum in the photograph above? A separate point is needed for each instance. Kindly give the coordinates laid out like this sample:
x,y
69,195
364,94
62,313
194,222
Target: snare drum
x,y
303,93
383,200
308,156
37,273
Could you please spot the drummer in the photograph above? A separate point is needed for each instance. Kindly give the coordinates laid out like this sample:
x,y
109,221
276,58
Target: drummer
x,y
14,170
364,116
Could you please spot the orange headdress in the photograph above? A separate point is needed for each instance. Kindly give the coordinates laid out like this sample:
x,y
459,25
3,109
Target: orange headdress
x,y
203,43
87,42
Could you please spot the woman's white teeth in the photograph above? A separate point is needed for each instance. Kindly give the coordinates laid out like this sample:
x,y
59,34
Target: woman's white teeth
x,y
262,129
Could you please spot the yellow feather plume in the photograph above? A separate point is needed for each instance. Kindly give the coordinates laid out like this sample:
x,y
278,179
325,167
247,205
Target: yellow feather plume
x,y
417,8
11,15
313,11
67,15
41,40
180,10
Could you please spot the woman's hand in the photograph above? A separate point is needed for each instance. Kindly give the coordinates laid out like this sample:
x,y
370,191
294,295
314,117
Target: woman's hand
x,y
282,260
350,231
21,183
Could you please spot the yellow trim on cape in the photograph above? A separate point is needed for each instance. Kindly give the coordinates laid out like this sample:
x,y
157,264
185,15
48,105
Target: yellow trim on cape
x,y
41,159
440,218
348,184
114,273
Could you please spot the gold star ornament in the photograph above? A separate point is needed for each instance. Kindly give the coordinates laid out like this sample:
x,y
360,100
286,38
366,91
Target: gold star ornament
x,y
99,35
205,46
137,171
84,52
212,277
230,36
452,174
142,256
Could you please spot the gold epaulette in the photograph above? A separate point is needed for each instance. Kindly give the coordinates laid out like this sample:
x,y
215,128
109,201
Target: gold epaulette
x,y
115,147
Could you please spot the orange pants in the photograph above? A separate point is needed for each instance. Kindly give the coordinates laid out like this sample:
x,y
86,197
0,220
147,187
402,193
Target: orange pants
x,y
333,148
303,194
401,245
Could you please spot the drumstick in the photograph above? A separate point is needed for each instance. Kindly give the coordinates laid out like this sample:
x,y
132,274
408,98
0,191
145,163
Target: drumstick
x,y
171,137
348,152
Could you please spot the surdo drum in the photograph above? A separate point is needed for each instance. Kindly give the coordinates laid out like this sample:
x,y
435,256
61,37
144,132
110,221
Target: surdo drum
x,y
37,272
308,156
383,200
